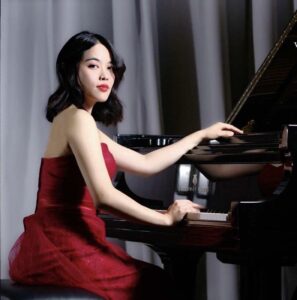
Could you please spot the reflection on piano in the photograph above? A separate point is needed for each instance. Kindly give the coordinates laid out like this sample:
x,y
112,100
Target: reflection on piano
x,y
260,236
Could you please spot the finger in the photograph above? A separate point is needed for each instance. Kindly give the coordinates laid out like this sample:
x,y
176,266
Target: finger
x,y
233,128
196,205
191,207
194,210
227,133
190,203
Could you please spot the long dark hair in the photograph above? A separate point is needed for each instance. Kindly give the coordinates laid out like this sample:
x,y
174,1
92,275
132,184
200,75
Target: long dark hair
x,y
69,91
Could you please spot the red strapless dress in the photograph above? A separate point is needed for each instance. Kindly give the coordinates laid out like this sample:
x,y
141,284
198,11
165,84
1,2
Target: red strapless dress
x,y
64,241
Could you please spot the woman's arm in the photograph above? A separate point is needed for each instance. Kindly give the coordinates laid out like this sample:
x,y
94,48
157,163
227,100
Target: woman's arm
x,y
158,160
84,141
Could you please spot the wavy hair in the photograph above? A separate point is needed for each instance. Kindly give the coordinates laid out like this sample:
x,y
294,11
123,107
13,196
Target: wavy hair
x,y
69,91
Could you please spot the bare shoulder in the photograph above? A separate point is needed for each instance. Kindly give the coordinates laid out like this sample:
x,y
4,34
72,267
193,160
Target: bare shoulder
x,y
76,119
74,115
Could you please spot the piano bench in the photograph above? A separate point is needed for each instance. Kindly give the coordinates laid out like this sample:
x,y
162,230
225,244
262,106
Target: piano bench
x,y
12,291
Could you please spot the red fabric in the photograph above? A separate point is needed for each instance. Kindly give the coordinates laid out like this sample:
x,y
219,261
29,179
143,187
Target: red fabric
x,y
64,241
269,178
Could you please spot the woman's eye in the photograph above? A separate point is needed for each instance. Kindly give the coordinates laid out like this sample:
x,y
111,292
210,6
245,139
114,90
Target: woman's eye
x,y
110,68
93,66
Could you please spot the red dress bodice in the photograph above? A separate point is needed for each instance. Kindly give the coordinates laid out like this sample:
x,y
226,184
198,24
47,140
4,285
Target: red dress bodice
x,y
61,184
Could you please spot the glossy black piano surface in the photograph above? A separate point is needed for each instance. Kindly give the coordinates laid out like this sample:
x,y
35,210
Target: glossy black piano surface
x,y
262,233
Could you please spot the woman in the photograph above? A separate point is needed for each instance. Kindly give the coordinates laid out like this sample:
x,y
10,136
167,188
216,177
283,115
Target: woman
x,y
64,241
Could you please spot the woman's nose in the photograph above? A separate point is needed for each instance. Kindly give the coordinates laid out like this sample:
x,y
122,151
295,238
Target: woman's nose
x,y
103,75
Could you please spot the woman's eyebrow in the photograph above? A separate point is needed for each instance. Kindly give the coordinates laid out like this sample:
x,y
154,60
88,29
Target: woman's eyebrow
x,y
92,58
96,59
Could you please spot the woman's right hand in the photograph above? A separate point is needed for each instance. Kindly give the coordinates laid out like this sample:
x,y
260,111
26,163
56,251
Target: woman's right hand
x,y
178,209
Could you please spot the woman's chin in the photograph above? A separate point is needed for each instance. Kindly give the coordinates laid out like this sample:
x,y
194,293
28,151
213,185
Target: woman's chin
x,y
101,100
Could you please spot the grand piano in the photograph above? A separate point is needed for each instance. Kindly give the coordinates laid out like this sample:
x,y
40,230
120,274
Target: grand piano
x,y
259,235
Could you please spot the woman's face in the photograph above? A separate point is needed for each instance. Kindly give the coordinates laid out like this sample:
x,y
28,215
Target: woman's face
x,y
95,75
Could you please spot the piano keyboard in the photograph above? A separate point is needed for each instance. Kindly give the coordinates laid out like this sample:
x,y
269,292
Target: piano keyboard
x,y
204,216
207,216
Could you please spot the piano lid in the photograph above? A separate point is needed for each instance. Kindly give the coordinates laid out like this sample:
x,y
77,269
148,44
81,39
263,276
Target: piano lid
x,y
270,100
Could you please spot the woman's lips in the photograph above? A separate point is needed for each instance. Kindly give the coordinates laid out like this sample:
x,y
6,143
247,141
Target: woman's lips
x,y
103,87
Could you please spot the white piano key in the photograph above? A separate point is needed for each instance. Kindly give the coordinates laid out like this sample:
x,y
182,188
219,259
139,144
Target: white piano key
x,y
207,216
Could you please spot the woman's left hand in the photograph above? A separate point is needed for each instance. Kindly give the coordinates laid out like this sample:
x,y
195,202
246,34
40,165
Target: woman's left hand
x,y
219,130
